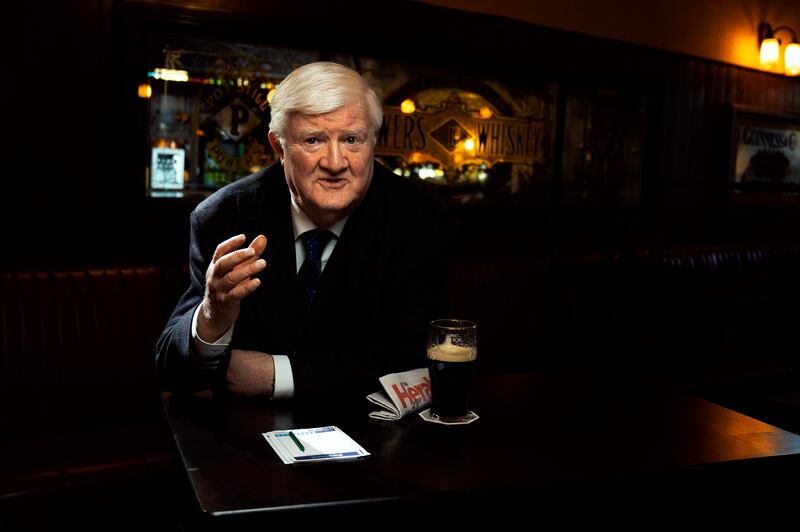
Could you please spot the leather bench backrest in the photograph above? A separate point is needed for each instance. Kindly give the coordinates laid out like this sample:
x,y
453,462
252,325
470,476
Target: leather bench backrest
x,y
77,346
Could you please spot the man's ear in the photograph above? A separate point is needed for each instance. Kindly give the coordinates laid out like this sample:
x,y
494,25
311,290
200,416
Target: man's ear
x,y
276,145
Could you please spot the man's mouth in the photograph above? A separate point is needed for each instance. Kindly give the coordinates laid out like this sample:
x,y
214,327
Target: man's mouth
x,y
333,182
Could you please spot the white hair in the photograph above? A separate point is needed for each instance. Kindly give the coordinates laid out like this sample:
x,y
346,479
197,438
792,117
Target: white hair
x,y
318,88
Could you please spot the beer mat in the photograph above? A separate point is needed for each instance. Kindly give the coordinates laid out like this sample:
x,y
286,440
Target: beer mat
x,y
471,416
402,394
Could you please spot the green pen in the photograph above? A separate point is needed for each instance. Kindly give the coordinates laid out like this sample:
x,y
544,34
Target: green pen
x,y
296,441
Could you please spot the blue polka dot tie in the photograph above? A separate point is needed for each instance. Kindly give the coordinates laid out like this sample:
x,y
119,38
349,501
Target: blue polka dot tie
x,y
308,277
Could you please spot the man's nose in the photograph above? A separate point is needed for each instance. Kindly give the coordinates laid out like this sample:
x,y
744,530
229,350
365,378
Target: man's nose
x,y
333,160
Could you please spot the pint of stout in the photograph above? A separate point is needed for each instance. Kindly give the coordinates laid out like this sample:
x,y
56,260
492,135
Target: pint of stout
x,y
452,350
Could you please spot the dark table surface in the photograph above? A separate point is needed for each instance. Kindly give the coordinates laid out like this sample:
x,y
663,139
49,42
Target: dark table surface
x,y
540,437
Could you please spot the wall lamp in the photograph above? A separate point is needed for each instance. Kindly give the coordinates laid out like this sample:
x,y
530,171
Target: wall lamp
x,y
771,49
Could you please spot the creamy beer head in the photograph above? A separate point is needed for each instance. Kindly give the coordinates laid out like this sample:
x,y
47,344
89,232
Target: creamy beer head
x,y
452,353
452,341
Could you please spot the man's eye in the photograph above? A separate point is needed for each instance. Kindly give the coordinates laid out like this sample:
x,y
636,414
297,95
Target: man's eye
x,y
351,140
311,141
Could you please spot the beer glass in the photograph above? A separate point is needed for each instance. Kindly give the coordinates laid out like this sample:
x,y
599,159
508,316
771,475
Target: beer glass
x,y
452,350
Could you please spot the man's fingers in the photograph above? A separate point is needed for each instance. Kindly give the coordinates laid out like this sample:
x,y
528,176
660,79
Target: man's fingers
x,y
259,244
227,246
245,288
227,257
237,275
228,262
246,263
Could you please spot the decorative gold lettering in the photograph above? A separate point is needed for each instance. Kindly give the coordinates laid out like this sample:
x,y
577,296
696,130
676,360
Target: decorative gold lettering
x,y
510,139
395,131
408,129
421,141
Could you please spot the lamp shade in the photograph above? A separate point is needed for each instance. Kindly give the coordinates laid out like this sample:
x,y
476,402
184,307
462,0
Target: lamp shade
x,y
791,59
770,50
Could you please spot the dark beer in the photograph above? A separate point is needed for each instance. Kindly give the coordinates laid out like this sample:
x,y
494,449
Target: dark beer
x,y
451,373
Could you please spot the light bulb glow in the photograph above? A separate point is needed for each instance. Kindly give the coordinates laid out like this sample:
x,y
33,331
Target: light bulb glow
x,y
770,50
426,173
408,106
791,59
168,74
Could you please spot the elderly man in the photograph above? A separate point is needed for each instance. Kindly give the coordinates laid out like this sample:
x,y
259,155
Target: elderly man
x,y
346,261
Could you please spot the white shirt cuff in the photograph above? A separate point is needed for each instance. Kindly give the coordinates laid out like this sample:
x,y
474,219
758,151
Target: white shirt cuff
x,y
204,353
284,378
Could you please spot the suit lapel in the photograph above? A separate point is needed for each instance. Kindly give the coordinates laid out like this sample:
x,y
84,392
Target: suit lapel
x,y
277,303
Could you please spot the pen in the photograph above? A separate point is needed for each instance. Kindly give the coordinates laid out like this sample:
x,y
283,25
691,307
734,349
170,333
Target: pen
x,y
296,441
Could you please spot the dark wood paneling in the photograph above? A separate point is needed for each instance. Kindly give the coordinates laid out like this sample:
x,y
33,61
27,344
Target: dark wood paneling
x,y
76,344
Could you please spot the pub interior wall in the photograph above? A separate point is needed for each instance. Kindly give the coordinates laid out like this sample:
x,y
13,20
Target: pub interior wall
x,y
78,201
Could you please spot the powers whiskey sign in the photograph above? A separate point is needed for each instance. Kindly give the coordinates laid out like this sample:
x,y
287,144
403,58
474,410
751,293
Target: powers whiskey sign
x,y
452,136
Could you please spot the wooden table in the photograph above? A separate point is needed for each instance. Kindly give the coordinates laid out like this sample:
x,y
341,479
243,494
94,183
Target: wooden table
x,y
545,442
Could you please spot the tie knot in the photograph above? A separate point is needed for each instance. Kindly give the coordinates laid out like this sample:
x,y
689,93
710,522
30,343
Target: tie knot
x,y
315,241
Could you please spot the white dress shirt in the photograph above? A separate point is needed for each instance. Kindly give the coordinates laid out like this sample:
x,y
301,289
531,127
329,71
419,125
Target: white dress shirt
x,y
207,354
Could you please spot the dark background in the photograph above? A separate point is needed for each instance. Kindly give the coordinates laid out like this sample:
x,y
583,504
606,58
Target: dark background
x,y
691,281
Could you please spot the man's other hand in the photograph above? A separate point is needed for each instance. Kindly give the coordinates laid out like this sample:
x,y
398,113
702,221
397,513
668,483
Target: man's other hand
x,y
250,373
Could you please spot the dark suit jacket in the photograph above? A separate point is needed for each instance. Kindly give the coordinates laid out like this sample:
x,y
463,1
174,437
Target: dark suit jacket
x,y
384,281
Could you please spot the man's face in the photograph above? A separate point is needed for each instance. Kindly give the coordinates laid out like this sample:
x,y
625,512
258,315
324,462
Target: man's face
x,y
327,160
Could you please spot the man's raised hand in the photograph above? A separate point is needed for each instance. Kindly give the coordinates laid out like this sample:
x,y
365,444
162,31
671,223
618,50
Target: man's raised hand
x,y
229,279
